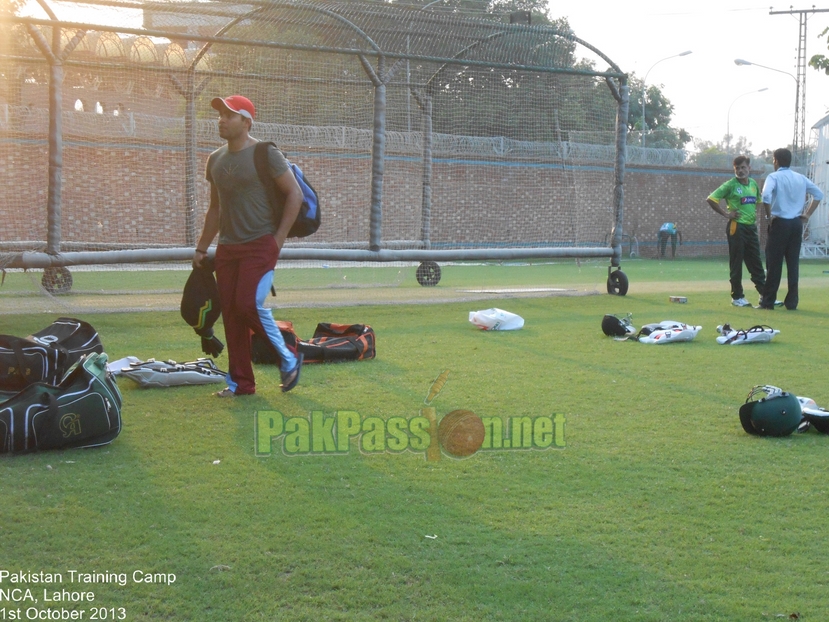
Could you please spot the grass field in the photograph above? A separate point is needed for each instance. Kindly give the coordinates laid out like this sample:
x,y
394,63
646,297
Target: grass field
x,y
658,507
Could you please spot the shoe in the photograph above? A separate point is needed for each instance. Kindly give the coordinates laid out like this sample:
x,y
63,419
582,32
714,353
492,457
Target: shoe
x,y
777,303
226,392
741,302
291,378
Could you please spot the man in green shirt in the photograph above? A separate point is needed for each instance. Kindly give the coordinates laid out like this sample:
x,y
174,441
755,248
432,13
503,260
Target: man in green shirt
x,y
741,195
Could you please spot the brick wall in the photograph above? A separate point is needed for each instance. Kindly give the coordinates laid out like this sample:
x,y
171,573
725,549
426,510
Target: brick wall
x,y
124,193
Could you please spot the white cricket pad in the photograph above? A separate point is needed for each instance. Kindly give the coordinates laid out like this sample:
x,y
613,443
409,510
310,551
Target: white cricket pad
x,y
738,336
668,331
154,373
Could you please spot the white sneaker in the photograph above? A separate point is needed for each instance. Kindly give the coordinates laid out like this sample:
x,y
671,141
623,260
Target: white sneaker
x,y
777,303
741,302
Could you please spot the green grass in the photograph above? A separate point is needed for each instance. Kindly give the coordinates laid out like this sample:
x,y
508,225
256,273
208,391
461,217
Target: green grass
x,y
659,507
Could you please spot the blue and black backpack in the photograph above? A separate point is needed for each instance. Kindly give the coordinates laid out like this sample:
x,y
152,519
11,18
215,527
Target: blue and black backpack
x,y
308,219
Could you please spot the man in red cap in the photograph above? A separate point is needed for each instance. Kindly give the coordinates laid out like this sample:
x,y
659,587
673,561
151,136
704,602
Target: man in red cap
x,y
250,238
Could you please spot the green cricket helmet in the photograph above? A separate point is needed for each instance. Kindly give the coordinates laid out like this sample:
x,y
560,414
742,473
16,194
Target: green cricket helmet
x,y
617,326
777,414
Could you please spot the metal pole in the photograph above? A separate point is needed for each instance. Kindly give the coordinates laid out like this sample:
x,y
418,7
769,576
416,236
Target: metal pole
x,y
190,161
378,151
426,205
53,200
619,175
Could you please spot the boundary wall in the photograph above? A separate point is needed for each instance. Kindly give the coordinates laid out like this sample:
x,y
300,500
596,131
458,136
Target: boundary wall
x,y
94,214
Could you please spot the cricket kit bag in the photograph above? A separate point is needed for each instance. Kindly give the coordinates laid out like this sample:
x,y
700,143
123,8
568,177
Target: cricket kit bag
x,y
334,343
331,343
82,410
46,355
263,352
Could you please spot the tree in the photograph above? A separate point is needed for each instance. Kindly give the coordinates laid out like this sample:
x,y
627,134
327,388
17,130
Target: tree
x,y
498,9
720,155
658,113
820,61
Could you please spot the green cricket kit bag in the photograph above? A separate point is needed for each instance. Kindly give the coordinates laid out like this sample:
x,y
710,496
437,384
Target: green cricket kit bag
x,y
46,355
82,410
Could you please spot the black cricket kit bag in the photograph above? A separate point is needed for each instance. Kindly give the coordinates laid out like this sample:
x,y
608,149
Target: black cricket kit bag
x,y
82,410
331,343
200,306
261,350
334,343
46,355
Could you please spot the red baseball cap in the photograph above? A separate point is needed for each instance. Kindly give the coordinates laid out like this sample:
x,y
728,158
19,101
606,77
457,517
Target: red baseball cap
x,y
235,103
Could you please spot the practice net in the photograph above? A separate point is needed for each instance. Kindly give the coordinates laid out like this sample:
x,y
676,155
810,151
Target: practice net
x,y
422,128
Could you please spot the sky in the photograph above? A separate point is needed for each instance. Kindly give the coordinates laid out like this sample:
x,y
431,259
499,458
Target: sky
x,y
705,85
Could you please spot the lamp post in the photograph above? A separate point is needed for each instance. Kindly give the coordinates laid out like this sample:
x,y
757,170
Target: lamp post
x,y
645,90
795,142
728,118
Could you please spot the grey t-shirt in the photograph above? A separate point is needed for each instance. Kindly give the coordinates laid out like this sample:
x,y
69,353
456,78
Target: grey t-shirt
x,y
245,213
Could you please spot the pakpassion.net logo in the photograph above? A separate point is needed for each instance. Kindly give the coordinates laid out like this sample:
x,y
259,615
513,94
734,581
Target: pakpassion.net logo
x,y
459,434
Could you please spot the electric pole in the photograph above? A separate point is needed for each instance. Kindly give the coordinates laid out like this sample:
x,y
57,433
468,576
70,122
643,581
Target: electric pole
x,y
799,138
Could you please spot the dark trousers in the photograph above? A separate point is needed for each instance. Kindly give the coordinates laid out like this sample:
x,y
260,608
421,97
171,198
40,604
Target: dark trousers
x,y
663,243
785,238
744,247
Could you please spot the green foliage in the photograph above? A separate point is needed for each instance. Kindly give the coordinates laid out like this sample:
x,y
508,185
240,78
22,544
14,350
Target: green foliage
x,y
495,9
658,113
820,61
659,507
721,154
526,106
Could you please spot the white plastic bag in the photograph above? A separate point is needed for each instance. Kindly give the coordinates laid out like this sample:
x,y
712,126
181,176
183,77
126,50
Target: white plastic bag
x,y
496,319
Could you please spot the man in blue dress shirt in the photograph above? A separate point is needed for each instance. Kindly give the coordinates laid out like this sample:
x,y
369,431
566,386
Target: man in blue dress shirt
x,y
784,203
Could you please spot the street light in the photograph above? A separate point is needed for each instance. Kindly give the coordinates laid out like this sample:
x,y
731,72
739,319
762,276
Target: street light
x,y
644,90
795,142
741,62
728,118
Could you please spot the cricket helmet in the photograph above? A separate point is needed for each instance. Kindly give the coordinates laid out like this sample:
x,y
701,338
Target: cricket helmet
x,y
777,414
615,326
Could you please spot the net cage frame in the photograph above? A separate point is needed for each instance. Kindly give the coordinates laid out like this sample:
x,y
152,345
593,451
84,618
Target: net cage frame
x,y
387,40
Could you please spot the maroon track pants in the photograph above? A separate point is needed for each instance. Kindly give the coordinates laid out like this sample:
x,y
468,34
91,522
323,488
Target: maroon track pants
x,y
244,273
